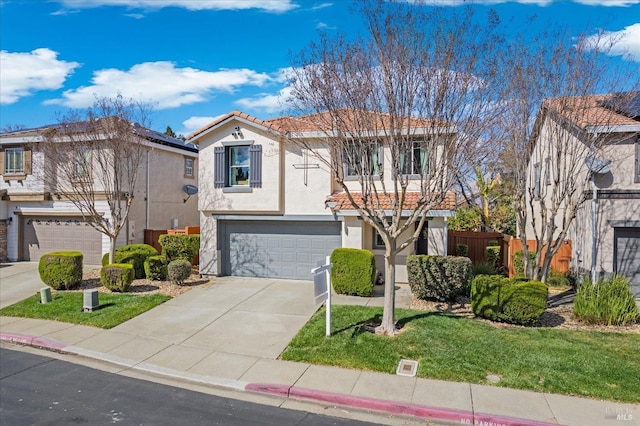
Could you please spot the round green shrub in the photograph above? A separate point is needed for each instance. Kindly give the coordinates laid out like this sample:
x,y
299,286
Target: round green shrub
x,y
510,300
493,257
105,259
155,267
61,270
117,276
178,271
462,250
608,302
439,277
180,246
135,254
353,271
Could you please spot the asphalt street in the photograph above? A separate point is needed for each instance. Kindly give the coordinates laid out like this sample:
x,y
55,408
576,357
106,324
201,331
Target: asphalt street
x,y
38,390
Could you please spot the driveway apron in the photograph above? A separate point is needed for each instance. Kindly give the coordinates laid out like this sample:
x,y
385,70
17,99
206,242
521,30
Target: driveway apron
x,y
254,317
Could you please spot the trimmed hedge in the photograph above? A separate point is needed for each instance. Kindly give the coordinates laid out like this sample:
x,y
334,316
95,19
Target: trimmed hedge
x,y
180,246
117,276
512,300
439,277
518,261
353,271
134,254
462,250
61,270
155,267
609,302
493,257
179,270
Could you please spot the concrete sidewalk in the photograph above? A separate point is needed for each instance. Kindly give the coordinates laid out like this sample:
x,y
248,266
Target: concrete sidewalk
x,y
229,335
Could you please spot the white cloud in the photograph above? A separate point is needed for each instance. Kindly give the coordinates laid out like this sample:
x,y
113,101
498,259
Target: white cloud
x,y
160,83
24,73
265,5
194,123
265,102
626,42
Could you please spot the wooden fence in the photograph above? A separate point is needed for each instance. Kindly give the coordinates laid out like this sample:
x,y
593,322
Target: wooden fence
x,y
477,243
559,263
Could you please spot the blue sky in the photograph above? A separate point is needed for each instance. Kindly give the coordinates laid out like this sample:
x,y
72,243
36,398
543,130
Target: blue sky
x,y
195,60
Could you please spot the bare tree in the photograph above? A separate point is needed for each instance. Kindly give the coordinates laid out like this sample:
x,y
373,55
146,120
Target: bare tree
x,y
414,88
93,158
549,101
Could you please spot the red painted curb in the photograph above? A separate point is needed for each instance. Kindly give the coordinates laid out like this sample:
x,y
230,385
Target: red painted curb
x,y
462,417
41,342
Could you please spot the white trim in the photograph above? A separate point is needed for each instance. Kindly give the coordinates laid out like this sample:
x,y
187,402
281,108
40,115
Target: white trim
x,y
290,217
418,131
405,213
618,128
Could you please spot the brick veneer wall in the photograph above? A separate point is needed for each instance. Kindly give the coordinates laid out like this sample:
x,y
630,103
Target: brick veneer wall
x,y
3,240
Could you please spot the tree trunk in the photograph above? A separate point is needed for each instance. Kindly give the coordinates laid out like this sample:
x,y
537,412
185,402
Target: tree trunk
x,y
388,326
112,248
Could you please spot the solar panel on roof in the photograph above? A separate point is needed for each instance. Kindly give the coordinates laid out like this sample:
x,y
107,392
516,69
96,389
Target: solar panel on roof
x,y
624,103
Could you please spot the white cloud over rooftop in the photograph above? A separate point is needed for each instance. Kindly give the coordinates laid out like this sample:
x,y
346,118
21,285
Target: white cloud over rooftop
x,y
265,5
161,83
24,73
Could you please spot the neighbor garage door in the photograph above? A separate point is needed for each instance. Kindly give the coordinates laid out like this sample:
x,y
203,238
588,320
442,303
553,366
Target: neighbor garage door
x,y
627,255
43,234
281,249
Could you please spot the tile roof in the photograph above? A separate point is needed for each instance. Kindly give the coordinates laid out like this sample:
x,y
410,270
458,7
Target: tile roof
x,y
324,121
586,111
410,202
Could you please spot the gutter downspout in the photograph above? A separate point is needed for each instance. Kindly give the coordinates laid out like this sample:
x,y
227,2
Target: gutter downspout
x,y
594,236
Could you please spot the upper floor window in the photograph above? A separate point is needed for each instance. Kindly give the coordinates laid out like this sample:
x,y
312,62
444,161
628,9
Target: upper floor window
x,y
414,159
238,165
188,167
362,159
82,163
14,161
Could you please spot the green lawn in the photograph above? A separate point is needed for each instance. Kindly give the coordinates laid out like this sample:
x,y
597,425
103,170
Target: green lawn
x,y
115,308
590,364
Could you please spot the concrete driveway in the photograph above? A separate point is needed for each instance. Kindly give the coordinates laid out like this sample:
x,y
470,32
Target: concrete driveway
x,y
254,317
18,281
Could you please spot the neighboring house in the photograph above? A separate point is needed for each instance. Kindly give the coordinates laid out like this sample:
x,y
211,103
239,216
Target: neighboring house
x,y
611,124
269,208
35,217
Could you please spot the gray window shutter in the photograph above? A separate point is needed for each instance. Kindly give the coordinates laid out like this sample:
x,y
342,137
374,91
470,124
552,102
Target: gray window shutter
x,y
255,165
219,169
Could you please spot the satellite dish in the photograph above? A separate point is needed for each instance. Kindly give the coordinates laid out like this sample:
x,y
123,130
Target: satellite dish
x,y
189,190
597,166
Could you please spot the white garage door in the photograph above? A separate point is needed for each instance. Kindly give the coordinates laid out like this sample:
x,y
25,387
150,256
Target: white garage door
x,y
42,234
285,249
627,255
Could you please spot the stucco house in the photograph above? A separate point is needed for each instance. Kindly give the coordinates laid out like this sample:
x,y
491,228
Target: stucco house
x,y
269,208
37,217
601,150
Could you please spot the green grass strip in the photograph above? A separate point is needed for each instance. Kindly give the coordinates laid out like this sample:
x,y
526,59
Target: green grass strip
x,y
115,308
583,363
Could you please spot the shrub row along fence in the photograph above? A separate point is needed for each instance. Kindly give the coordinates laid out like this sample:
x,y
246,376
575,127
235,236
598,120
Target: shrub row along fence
x,y
152,237
477,243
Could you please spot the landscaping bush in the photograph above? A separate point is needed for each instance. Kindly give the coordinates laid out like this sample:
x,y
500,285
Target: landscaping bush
x,y
105,259
353,271
155,268
483,268
518,261
510,300
61,270
608,302
462,250
493,243
117,276
180,246
493,257
439,277
179,270
135,254
558,279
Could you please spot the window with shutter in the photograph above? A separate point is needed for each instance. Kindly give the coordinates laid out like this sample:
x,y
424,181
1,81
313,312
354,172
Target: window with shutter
x,y
219,169
255,165
637,177
238,166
